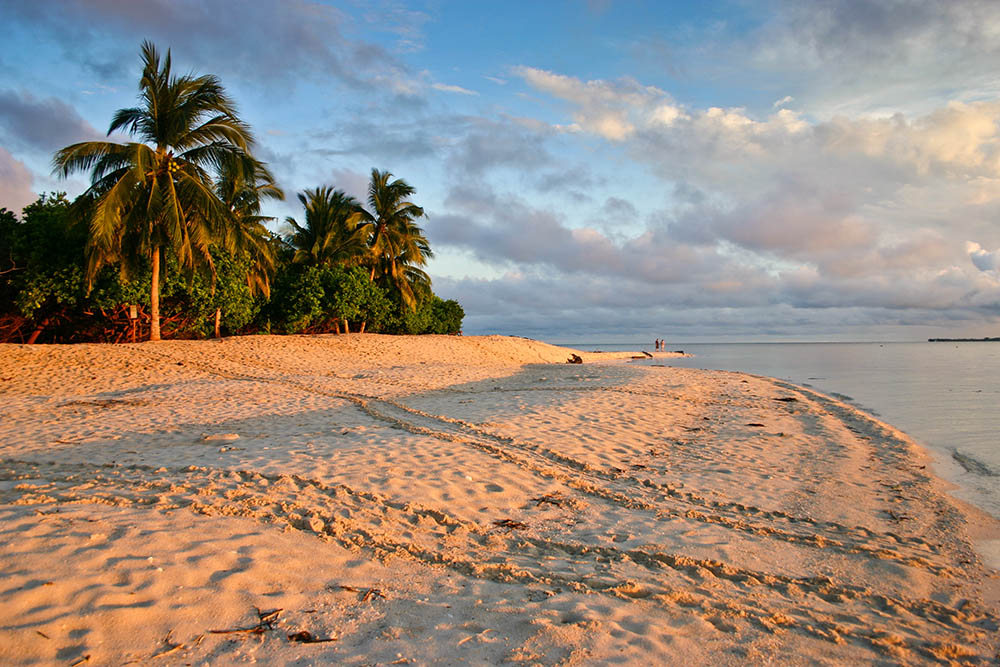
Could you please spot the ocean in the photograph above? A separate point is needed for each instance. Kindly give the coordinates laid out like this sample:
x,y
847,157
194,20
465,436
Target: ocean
x,y
944,395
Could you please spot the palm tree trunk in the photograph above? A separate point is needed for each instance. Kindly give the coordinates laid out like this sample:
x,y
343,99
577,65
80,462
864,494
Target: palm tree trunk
x,y
362,330
154,298
38,331
347,326
218,323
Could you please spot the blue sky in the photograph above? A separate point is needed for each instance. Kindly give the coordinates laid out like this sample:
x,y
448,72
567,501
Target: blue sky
x,y
596,170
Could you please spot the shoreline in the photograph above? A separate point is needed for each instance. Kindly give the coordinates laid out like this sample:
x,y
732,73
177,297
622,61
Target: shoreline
x,y
946,413
436,499
988,540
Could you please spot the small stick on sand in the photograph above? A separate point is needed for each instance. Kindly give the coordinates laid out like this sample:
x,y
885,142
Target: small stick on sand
x,y
372,593
266,623
170,646
471,637
550,498
510,524
305,637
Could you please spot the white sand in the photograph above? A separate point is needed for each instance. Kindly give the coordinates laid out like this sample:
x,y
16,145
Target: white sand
x,y
435,500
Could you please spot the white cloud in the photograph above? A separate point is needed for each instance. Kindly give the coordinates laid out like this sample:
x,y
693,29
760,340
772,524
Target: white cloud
x,y
959,140
606,108
453,89
983,259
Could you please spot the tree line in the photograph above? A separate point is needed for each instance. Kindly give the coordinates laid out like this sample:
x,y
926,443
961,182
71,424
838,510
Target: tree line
x,y
169,238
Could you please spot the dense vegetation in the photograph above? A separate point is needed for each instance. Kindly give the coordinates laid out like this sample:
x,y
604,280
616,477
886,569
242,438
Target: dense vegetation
x,y
171,231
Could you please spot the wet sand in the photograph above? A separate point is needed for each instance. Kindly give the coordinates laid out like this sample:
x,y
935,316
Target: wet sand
x,y
435,500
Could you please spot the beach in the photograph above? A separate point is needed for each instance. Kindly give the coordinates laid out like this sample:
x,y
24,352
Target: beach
x,y
368,499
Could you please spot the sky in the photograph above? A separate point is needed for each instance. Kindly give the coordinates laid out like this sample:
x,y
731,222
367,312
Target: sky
x,y
596,171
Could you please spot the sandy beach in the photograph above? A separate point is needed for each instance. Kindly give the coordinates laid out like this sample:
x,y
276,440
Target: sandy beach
x,y
367,499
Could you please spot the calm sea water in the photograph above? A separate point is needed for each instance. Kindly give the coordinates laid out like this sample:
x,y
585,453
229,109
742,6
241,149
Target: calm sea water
x,y
944,395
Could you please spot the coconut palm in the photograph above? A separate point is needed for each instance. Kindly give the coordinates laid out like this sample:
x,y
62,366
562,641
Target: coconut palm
x,y
330,234
157,193
397,245
242,186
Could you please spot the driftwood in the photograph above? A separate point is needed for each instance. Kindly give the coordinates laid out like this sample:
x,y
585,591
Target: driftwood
x,y
510,524
574,359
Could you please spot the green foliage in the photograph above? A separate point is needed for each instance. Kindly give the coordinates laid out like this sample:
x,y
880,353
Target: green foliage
x,y
351,297
191,301
296,299
9,269
44,292
430,314
414,320
447,316
49,289
47,252
233,293
318,298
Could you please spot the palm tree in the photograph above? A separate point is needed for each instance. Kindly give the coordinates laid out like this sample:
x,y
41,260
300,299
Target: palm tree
x,y
330,234
242,186
397,245
157,193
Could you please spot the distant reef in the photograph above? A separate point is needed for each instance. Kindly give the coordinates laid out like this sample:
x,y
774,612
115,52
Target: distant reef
x,y
995,339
